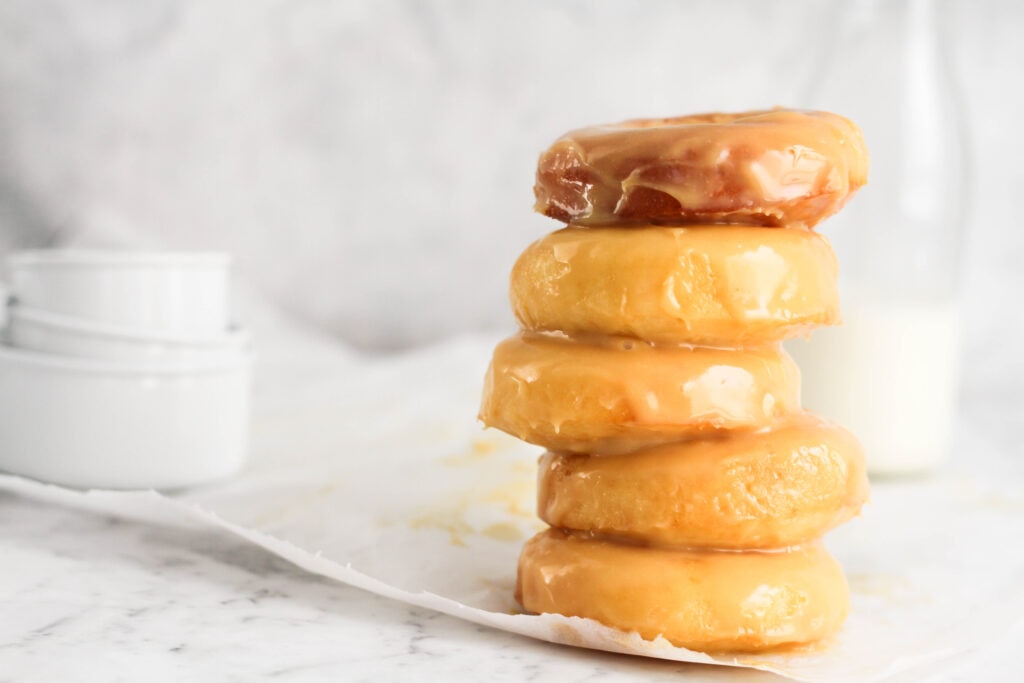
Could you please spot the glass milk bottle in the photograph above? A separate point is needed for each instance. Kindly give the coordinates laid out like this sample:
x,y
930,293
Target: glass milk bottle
x,y
891,372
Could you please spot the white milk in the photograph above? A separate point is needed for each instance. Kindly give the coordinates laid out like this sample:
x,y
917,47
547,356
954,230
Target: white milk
x,y
890,374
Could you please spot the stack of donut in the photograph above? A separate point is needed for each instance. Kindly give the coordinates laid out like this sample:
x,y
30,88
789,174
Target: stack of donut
x,y
685,487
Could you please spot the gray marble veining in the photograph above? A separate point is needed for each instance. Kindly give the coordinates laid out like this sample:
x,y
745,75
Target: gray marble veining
x,y
84,594
85,597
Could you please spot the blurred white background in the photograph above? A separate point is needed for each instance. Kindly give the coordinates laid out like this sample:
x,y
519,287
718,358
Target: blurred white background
x,y
370,164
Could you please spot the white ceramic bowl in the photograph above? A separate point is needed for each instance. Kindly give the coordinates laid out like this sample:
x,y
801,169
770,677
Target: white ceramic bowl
x,y
35,330
172,293
89,424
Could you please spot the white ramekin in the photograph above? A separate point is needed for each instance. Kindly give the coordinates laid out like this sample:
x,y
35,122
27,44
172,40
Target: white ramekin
x,y
37,330
169,293
93,424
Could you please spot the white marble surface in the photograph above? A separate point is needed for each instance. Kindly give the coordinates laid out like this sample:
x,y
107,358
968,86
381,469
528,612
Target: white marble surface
x,y
127,601
85,597
130,601
81,592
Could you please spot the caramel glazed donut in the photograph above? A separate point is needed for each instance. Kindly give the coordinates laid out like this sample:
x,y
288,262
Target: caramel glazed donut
x,y
772,488
714,285
773,167
618,395
708,601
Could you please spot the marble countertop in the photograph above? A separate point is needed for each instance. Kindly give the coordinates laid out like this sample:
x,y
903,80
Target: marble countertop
x,y
127,601
84,596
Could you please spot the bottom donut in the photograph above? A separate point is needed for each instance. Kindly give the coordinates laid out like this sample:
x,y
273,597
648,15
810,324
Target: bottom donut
x,y
713,601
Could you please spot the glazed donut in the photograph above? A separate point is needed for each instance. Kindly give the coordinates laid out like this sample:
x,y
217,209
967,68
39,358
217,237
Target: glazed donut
x,y
774,167
767,489
703,600
721,286
619,395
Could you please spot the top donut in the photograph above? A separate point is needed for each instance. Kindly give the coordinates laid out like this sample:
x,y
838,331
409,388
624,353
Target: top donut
x,y
777,167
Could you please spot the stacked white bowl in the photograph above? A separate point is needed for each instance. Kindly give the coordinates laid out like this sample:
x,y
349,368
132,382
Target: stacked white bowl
x,y
122,370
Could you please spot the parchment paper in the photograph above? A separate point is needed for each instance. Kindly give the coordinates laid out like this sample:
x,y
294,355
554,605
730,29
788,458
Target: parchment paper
x,y
376,473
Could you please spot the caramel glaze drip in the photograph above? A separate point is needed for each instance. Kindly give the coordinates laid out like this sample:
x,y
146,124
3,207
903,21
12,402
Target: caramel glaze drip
x,y
686,489
773,168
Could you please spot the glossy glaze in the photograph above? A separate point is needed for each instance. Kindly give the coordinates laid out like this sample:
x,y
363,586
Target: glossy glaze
x,y
704,600
620,395
680,474
774,167
723,286
767,489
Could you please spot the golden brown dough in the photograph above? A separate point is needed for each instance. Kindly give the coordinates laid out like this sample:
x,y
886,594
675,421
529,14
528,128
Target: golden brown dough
x,y
774,167
724,286
620,395
703,600
766,489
